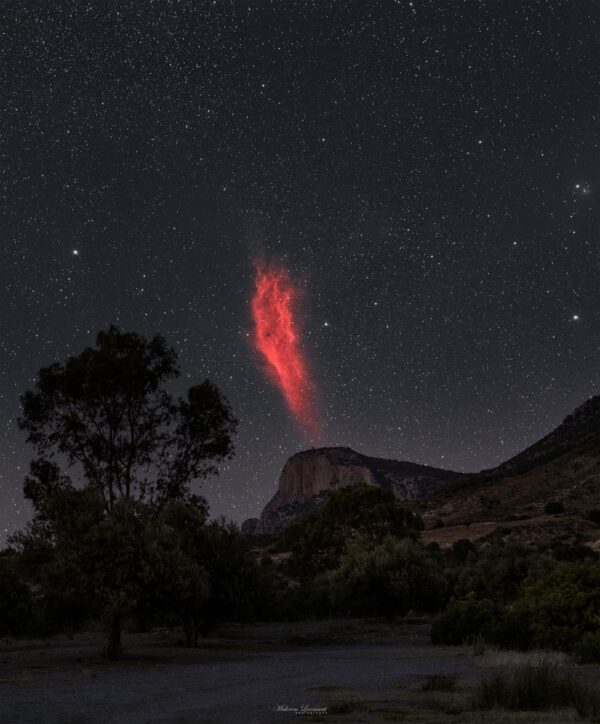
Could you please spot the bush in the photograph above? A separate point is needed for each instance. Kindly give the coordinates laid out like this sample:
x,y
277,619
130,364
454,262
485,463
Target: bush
x,y
463,548
554,507
389,579
496,574
509,631
60,611
562,552
560,602
463,620
317,541
587,649
16,603
594,516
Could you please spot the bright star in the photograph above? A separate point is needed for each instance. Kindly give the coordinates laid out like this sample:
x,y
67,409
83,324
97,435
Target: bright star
x,y
75,252
584,189
575,317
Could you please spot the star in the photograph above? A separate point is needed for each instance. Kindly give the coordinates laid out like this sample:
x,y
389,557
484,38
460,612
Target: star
x,y
575,317
75,252
583,189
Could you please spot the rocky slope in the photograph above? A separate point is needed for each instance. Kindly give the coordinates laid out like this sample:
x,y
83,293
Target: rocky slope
x,y
509,501
308,476
580,427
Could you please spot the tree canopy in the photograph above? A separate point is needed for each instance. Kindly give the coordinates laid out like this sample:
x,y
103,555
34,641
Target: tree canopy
x,y
108,410
367,512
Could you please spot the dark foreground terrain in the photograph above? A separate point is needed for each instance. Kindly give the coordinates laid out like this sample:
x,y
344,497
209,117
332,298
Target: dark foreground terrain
x,y
326,671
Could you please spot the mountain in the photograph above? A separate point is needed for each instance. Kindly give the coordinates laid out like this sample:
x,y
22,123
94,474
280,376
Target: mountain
x,y
308,476
580,427
509,501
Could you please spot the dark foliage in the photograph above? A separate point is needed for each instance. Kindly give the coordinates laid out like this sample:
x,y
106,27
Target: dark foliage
x,y
367,512
108,411
16,601
463,620
554,507
122,542
389,579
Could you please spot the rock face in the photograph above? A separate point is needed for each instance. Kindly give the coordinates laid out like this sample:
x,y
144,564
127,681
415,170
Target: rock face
x,y
308,476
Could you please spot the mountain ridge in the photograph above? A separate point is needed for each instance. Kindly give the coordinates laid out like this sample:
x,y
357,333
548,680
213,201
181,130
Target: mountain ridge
x,y
564,460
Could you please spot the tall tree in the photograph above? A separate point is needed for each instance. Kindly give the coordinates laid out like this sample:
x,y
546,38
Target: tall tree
x,y
108,410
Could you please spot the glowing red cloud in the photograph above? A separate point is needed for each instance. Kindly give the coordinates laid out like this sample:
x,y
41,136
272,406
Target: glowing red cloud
x,y
277,339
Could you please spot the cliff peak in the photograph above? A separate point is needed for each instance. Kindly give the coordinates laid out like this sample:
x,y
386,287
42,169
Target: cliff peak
x,y
309,475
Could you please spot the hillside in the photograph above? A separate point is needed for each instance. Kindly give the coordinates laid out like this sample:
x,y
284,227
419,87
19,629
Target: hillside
x,y
582,426
564,466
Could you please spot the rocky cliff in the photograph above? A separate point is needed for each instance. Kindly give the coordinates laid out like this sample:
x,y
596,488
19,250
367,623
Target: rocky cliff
x,y
308,476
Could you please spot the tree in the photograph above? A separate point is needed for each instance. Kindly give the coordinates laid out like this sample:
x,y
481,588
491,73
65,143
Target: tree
x,y
387,579
16,601
108,411
365,511
228,581
495,574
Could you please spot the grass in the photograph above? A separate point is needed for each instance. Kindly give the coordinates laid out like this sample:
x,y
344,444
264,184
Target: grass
x,y
505,658
537,687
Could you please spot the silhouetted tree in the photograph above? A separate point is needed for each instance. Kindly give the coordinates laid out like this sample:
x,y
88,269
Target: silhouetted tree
x,y
108,410
138,448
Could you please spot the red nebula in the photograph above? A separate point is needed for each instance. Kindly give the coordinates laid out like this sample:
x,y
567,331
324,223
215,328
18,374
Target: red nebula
x,y
277,339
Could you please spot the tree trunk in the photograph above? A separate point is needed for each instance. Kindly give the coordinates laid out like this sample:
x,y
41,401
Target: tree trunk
x,y
187,629
114,647
192,628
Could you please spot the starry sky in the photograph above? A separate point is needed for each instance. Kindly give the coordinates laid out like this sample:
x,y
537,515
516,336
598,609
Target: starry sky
x,y
426,172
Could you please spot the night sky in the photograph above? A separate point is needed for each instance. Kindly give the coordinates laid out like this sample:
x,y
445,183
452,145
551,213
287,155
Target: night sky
x,y
426,173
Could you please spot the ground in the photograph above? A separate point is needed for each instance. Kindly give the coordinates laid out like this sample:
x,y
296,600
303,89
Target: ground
x,y
347,671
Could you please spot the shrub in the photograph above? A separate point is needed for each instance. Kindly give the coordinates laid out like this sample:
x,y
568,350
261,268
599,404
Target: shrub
x,y
594,516
388,579
560,602
318,540
587,649
554,507
509,631
462,548
463,620
496,574
563,552
16,604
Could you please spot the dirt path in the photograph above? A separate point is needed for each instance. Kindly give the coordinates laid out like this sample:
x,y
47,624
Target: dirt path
x,y
244,679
